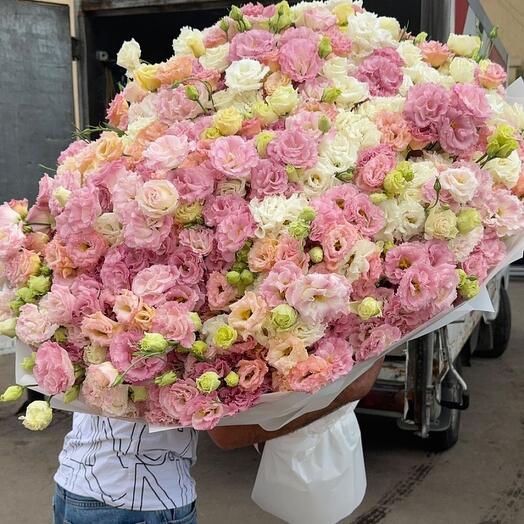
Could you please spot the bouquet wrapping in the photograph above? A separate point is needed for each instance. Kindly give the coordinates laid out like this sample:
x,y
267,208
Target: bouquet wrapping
x,y
295,192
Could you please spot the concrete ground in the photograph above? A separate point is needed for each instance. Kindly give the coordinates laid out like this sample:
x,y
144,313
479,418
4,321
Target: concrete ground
x,y
479,481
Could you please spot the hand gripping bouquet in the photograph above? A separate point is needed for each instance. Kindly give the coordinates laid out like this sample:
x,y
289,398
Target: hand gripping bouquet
x,y
292,193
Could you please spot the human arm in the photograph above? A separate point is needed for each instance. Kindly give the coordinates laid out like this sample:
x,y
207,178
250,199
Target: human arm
x,y
231,437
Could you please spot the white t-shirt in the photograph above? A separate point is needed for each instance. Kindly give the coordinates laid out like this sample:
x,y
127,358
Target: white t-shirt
x,y
123,465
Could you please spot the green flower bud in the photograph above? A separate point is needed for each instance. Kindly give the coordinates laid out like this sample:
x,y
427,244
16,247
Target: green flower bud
x,y
208,382
238,266
492,35
60,335
469,287
307,214
45,270
27,295
324,47
242,254
394,182
15,305
195,318
324,124
246,277
225,336
153,343
224,25
388,244
377,198
72,393
62,195
232,379
7,327
283,317
94,354
502,142
138,393
166,379
406,169
40,285
199,349
293,173
316,254
262,141
192,93
368,308
235,13
467,220
298,229
345,176
233,278
79,371
38,415
421,37
12,393
28,363
330,94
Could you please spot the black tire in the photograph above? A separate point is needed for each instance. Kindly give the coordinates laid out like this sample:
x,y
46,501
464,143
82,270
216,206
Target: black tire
x,y
494,337
447,438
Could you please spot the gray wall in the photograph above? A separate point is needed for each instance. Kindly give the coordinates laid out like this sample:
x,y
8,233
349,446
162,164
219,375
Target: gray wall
x,y
36,101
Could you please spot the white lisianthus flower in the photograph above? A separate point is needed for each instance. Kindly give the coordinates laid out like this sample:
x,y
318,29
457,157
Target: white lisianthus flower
x,y
461,182
129,56
423,73
216,58
223,99
463,45
244,101
391,25
411,219
273,212
335,67
352,91
365,31
38,415
406,85
337,153
189,42
143,109
505,170
317,180
513,114
308,333
358,129
462,70
110,227
157,198
496,103
409,52
392,219
359,255
246,75
210,327
463,245
283,100
378,104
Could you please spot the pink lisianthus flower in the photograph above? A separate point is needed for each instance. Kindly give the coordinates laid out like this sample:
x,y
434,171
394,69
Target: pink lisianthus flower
x,y
126,306
319,18
458,135
340,42
476,265
53,369
219,208
191,297
446,288
307,122
152,283
286,353
173,105
289,248
418,286
402,257
425,107
233,156
507,212
198,239
337,353
261,257
233,231
470,100
168,152
59,305
435,53
395,130
194,183
406,321
248,314
98,391
310,375
373,165
269,178
299,59
114,273
71,150
294,147
220,293
382,72
237,399
20,266
175,398
368,218
86,291
116,114
319,297
33,325
491,77
99,328
378,341
11,240
337,244
172,320
121,350
251,374
257,44
145,232
189,264
80,213
85,251
439,252
493,248
280,278
154,414
205,412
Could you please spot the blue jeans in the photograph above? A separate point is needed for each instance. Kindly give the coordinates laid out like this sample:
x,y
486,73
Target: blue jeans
x,y
69,508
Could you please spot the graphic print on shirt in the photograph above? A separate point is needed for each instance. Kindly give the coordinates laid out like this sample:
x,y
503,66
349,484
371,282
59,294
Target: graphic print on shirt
x,y
138,465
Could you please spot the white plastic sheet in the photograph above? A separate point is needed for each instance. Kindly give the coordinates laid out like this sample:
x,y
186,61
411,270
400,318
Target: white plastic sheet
x,y
315,475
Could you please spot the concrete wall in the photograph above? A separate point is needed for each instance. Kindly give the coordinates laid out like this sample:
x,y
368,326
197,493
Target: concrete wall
x,y
36,106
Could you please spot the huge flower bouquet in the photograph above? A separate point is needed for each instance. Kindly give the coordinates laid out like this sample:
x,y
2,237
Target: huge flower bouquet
x,y
292,192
